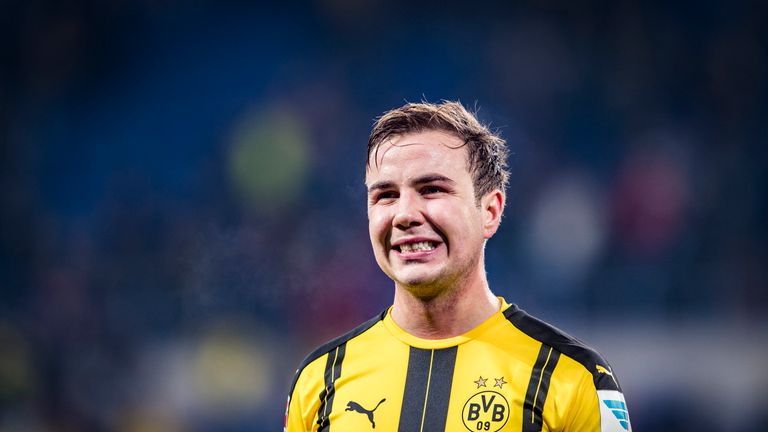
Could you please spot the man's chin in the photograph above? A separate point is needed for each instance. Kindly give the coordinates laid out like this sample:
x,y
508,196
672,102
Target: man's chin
x,y
423,287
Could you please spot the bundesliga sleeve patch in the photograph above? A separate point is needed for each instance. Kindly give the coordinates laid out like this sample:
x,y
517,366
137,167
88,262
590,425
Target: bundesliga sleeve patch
x,y
614,416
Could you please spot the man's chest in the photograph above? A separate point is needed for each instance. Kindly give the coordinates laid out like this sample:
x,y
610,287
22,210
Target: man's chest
x,y
466,388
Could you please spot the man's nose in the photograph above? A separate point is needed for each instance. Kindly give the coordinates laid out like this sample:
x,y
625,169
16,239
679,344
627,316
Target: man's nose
x,y
409,211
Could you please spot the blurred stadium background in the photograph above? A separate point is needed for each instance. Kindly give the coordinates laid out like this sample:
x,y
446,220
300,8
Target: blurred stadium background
x,y
183,217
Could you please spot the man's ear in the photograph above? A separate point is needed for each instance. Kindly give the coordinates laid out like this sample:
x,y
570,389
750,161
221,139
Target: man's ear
x,y
492,205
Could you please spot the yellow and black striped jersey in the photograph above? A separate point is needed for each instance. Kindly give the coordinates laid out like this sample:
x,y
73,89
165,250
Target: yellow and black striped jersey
x,y
511,373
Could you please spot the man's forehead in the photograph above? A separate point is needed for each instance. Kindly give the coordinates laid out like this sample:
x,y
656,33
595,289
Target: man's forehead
x,y
416,144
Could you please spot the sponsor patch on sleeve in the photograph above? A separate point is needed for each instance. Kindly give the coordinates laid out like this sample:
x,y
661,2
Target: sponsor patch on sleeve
x,y
614,416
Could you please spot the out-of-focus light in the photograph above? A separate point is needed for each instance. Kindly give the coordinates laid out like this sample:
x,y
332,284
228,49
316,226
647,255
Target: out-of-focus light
x,y
652,196
231,373
224,373
566,229
268,160
148,420
16,377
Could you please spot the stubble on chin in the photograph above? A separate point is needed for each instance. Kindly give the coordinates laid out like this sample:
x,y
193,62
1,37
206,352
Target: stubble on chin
x,y
447,283
426,288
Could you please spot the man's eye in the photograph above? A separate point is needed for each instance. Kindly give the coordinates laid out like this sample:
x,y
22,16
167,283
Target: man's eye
x,y
384,196
426,190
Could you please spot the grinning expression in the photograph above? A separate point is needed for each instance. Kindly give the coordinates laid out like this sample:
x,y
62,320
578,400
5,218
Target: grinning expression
x,y
426,227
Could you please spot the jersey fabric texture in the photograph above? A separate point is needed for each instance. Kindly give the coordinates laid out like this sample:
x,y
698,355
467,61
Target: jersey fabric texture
x,y
511,373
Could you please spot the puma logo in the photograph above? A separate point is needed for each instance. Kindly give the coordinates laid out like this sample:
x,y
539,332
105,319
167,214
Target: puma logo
x,y
354,406
604,370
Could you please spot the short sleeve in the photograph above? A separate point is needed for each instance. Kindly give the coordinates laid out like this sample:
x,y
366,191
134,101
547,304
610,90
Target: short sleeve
x,y
599,408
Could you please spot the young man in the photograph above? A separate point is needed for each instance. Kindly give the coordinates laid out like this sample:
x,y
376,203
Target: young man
x,y
448,355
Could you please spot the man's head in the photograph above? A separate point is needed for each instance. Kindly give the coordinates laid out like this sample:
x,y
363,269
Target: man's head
x,y
429,211
486,151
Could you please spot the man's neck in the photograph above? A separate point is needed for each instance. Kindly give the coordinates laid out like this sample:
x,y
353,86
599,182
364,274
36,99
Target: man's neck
x,y
452,313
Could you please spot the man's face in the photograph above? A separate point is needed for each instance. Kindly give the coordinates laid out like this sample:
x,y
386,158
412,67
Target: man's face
x,y
426,228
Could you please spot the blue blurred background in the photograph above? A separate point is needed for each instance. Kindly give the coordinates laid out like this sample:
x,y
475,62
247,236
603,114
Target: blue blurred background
x,y
183,212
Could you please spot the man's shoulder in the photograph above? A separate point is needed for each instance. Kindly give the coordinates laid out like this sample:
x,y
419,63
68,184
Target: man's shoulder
x,y
565,344
335,343
341,340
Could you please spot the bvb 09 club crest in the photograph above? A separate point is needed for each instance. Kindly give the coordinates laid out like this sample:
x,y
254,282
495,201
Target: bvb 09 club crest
x,y
485,411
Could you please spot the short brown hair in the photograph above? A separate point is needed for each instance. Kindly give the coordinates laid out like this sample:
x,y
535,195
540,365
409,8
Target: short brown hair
x,y
486,151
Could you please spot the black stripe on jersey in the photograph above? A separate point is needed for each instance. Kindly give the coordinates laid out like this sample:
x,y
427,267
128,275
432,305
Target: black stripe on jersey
x,y
333,344
328,378
440,389
533,407
565,344
416,379
332,373
427,389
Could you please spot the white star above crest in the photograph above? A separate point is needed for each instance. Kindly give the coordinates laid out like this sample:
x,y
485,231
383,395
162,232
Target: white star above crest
x,y
480,382
500,382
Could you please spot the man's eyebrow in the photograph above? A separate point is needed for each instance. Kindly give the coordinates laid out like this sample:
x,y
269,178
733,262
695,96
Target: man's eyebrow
x,y
429,178
380,185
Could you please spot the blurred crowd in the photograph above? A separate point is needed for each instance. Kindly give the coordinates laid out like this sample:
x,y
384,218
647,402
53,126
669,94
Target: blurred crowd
x,y
182,209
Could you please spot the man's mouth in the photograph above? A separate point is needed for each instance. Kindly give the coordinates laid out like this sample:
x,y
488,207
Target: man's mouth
x,y
421,246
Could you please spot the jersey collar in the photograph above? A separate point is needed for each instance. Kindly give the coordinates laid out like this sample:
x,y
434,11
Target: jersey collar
x,y
418,342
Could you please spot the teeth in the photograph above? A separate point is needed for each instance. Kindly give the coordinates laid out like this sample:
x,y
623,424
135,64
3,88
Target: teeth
x,y
419,246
